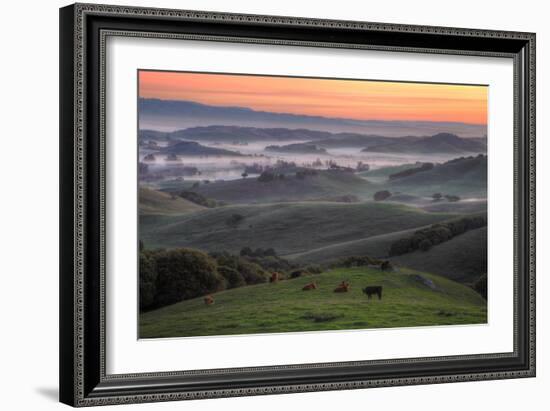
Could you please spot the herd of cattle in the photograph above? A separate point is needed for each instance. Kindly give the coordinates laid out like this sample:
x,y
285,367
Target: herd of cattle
x,y
343,287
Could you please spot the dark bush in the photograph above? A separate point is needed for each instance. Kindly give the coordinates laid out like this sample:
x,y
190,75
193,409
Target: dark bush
x,y
381,195
314,269
147,281
412,171
401,246
480,285
185,273
298,273
251,272
425,245
266,176
234,220
436,234
246,251
198,198
232,277
386,266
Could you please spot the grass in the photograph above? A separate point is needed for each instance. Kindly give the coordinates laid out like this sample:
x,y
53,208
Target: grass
x,y
250,190
462,259
160,203
289,228
284,307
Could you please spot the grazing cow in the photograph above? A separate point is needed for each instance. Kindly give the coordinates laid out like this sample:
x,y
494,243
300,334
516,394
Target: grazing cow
x,y
343,287
275,277
310,286
374,289
209,300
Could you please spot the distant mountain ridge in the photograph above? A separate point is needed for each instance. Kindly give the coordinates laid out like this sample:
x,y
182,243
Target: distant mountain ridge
x,y
170,115
446,143
439,143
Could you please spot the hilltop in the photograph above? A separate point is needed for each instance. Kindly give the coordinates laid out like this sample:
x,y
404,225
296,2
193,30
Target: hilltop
x,y
170,115
462,176
289,228
292,187
442,143
160,203
191,148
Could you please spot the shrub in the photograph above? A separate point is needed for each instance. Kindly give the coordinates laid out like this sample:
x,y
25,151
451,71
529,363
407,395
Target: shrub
x,y
185,273
297,273
198,198
234,220
147,281
381,195
251,272
386,266
314,269
266,176
411,171
401,246
480,285
425,245
232,277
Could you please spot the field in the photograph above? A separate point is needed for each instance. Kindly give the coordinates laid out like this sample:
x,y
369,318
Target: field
x,y
408,300
287,227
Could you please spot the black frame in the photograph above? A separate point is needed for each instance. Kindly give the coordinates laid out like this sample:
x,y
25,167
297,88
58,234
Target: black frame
x,y
83,30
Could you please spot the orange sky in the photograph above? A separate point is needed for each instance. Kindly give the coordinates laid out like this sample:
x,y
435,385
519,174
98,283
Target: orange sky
x,y
353,99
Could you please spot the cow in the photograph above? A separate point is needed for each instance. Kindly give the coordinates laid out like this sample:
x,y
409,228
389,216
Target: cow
x,y
310,286
209,300
373,289
343,287
275,277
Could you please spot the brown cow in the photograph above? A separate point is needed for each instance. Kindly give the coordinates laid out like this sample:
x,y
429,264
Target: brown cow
x,y
310,286
343,287
209,300
275,277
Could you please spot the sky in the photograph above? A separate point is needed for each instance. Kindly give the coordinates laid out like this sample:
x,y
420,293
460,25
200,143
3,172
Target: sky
x,y
351,99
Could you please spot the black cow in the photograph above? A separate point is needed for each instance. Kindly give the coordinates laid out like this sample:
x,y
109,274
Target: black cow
x,y
374,289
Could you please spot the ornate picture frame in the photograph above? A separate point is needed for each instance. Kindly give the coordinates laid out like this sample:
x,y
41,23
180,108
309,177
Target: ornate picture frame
x,y
84,30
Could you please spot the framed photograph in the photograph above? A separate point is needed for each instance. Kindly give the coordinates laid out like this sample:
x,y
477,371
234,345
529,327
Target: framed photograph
x,y
261,204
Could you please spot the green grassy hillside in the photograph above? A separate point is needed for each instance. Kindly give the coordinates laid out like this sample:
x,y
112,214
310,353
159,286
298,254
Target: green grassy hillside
x,y
157,202
287,227
463,258
409,299
377,246
463,177
250,190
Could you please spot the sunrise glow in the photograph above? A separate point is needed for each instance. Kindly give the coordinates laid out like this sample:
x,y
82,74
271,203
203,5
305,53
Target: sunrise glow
x,y
352,99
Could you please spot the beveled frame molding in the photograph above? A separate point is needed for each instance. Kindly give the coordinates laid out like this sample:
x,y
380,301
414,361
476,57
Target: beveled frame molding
x,y
84,29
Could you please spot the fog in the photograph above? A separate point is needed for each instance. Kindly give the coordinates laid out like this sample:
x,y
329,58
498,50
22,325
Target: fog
x,y
253,153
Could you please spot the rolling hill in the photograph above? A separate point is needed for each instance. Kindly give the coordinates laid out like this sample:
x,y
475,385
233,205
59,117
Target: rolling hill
x,y
160,203
297,148
462,259
465,176
323,184
191,148
409,299
442,143
289,228
170,115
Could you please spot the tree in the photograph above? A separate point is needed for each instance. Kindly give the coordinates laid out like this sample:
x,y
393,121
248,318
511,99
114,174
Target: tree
x,y
147,281
381,195
233,278
425,245
185,273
